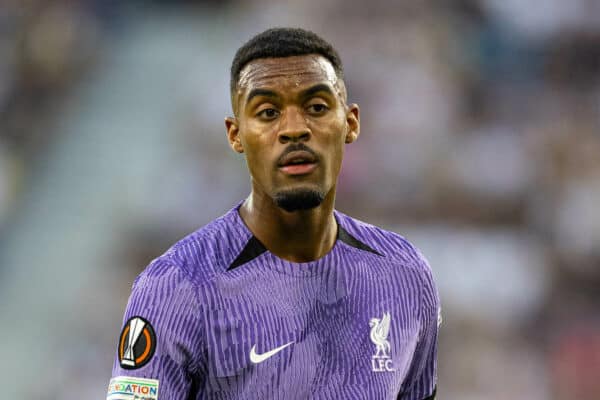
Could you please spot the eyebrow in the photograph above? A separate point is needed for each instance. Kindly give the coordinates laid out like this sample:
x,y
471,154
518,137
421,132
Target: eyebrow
x,y
321,87
260,92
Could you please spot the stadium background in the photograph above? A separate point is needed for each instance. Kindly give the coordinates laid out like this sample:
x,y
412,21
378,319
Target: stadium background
x,y
480,143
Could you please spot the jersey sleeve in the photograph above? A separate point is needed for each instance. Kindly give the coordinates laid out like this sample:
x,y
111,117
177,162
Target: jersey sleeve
x,y
421,380
159,351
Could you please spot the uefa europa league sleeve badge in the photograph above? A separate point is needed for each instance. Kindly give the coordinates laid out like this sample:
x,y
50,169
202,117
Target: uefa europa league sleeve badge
x,y
136,343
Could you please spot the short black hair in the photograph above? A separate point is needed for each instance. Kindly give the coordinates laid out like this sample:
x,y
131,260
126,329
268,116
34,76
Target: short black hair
x,y
283,42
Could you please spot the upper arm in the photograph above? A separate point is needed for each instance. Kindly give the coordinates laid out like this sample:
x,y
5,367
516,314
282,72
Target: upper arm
x,y
161,339
421,380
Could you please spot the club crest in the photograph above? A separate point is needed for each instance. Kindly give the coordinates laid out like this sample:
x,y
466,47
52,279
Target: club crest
x,y
380,330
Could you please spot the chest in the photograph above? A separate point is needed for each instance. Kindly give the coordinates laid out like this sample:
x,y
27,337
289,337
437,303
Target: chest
x,y
342,330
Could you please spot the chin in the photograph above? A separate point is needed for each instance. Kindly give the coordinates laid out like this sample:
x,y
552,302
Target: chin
x,y
299,199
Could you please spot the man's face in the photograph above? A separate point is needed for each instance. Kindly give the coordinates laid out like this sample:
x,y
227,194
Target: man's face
x,y
292,123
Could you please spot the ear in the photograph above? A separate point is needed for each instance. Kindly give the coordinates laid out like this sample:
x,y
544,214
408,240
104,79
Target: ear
x,y
353,122
233,134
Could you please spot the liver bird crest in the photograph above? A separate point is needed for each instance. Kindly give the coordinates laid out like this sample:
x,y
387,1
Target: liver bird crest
x,y
380,328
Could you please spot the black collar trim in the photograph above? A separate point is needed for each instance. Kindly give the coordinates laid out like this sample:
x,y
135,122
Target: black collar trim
x,y
350,240
255,248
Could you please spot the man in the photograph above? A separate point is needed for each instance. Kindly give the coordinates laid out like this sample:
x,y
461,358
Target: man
x,y
283,297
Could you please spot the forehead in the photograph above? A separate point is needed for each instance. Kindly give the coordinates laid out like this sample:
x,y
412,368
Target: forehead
x,y
286,73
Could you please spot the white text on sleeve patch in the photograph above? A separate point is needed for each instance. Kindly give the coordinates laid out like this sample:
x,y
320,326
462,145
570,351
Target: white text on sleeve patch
x,y
131,388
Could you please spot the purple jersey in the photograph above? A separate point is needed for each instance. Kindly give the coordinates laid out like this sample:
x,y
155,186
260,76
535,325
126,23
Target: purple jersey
x,y
218,316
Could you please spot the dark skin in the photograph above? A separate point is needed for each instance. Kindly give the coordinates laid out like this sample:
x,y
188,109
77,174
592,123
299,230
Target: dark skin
x,y
281,102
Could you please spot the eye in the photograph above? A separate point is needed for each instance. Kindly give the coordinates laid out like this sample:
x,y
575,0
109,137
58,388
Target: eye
x,y
268,113
317,108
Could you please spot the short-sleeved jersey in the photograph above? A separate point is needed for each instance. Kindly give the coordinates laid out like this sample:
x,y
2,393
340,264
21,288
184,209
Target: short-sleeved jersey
x,y
218,316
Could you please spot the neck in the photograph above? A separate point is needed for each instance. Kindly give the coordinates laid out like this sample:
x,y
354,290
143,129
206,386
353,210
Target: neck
x,y
298,236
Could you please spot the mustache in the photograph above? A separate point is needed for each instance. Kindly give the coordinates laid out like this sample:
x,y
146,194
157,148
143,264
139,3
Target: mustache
x,y
297,147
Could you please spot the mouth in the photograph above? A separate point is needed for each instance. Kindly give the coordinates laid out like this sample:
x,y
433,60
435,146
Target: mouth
x,y
298,163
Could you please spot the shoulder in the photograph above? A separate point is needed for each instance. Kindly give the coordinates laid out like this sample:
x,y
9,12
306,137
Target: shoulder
x,y
389,244
204,253
405,258
386,242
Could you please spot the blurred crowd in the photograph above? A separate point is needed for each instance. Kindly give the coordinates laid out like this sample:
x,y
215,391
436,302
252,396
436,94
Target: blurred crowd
x,y
46,47
480,142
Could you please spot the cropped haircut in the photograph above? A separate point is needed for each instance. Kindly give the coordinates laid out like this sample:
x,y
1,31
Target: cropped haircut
x,y
282,42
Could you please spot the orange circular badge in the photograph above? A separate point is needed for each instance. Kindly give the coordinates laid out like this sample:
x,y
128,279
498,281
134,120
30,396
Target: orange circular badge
x,y
136,343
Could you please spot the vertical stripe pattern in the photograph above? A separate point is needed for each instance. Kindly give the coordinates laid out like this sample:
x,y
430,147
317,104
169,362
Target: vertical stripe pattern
x,y
333,311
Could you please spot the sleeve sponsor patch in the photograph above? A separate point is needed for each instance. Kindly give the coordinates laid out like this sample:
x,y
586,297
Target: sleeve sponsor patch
x,y
132,388
136,343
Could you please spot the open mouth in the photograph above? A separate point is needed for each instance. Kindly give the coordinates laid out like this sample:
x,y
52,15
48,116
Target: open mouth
x,y
298,163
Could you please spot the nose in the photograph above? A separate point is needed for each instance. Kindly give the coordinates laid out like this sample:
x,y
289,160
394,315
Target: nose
x,y
293,126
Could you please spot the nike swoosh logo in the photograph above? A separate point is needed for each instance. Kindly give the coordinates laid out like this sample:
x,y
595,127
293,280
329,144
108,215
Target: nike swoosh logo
x,y
258,358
